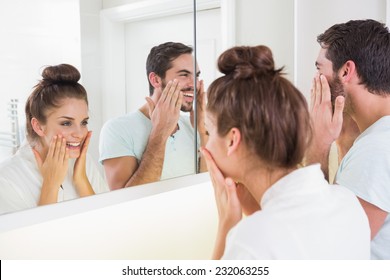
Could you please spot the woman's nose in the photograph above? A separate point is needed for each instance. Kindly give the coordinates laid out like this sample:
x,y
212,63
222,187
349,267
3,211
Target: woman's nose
x,y
78,132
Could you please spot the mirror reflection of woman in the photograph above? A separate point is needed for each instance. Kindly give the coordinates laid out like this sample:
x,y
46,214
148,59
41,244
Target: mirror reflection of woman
x,y
52,165
259,129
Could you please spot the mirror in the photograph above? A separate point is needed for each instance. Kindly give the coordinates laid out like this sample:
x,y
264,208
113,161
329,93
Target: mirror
x,y
288,27
104,39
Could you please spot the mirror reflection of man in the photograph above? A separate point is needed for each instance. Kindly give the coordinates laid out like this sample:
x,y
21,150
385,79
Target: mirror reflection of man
x,y
157,141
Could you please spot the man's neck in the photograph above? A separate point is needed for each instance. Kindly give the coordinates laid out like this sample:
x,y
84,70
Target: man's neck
x,y
145,110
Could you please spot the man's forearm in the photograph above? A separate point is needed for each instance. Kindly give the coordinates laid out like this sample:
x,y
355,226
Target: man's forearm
x,y
151,164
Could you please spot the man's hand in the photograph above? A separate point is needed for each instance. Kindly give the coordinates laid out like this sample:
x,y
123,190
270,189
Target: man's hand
x,y
201,109
326,123
200,118
164,114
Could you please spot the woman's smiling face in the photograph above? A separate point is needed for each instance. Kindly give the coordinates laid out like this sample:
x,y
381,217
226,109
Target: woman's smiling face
x,y
70,120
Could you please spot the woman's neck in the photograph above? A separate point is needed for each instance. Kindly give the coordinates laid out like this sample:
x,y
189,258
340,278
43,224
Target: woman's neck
x,y
37,146
259,179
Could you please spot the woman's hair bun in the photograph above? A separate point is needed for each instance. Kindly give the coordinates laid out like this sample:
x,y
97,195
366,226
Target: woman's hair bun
x,y
247,62
62,73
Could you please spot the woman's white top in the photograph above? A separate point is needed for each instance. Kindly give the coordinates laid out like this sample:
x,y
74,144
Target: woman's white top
x,y
21,181
303,217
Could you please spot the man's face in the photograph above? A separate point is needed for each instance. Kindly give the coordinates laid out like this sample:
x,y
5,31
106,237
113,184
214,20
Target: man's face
x,y
183,71
325,67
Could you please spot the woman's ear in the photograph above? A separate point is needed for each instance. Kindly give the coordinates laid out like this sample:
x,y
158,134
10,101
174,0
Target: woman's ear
x,y
233,140
155,80
37,127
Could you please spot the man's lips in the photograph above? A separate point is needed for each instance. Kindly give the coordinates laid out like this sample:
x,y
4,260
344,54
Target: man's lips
x,y
188,92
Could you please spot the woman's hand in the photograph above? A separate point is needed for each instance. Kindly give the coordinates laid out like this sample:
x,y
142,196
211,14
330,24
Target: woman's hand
x,y
53,169
228,204
80,179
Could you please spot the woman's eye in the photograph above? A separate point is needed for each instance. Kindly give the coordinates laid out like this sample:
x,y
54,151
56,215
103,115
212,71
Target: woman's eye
x,y
66,124
84,123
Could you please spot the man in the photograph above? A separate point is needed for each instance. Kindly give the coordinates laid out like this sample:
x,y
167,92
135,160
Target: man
x,y
354,76
157,142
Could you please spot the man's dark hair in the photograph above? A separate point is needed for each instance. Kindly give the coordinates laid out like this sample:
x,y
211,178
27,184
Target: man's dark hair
x,y
160,58
367,44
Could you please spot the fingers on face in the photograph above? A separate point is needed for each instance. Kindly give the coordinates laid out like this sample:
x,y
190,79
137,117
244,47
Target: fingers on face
x,y
201,87
86,142
320,91
339,109
62,149
214,171
179,100
325,90
58,149
313,93
317,90
173,92
52,146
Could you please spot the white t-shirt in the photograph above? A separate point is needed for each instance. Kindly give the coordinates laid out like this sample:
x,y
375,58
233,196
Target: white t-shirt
x,y
128,136
365,170
303,217
21,181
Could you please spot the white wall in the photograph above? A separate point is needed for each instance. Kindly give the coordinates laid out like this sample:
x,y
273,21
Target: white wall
x,y
290,29
91,67
314,17
270,23
34,35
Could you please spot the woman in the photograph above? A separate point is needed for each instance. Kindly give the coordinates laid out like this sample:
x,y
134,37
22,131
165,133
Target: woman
x,y
259,128
52,165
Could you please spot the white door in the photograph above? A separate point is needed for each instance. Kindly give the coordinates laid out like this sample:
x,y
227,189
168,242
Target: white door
x,y
141,36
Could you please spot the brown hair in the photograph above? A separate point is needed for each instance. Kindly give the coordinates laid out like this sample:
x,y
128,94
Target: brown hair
x,y
58,82
160,59
367,44
254,97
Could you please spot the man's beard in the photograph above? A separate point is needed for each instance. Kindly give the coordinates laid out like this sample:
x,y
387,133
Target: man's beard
x,y
185,106
336,89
